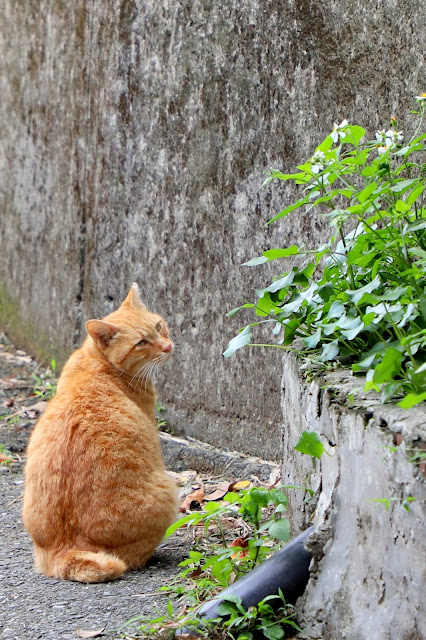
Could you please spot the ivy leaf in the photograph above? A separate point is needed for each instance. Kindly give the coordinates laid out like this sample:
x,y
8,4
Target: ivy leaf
x,y
313,340
357,294
310,444
280,529
329,351
238,342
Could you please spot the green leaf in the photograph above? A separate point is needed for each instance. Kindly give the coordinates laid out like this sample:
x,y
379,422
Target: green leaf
x,y
389,367
402,185
310,444
248,305
280,529
366,193
290,208
282,283
354,135
255,261
415,193
312,341
336,310
411,399
329,351
273,632
326,144
273,254
170,608
238,342
357,294
189,519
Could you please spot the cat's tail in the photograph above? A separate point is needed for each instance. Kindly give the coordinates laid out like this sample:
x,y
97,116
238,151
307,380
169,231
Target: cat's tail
x,y
87,566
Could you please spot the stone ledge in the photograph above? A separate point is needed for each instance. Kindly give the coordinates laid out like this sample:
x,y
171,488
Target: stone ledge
x,y
365,576
180,454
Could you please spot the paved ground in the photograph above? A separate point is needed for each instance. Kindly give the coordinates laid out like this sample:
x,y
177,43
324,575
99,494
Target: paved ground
x,y
33,606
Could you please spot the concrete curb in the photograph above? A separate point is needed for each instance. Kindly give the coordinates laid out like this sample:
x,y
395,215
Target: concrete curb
x,y
180,454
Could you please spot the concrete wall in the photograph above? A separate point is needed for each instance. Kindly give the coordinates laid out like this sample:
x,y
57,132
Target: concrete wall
x,y
367,575
134,138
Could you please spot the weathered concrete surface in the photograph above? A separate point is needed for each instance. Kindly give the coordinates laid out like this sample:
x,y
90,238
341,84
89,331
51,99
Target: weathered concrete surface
x,y
368,572
134,137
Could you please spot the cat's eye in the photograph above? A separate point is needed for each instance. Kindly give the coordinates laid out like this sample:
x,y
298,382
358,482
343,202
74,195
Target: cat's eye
x,y
142,342
158,327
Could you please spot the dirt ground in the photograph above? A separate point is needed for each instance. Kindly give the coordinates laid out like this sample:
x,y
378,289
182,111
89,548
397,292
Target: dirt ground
x,y
33,606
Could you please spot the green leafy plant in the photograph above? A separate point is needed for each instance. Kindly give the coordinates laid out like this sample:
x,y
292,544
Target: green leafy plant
x,y
45,383
6,456
233,622
359,299
263,618
218,558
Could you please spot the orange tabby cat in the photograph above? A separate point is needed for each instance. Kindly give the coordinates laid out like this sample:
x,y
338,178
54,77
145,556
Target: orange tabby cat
x,y
97,499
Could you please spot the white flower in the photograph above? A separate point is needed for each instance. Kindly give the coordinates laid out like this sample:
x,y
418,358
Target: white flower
x,y
337,133
388,139
382,150
317,162
393,136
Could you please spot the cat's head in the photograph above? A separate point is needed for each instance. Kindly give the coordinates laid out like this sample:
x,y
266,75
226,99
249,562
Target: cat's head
x,y
132,338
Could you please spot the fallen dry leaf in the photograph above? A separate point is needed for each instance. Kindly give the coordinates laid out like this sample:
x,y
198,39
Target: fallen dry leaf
x,y
196,573
193,499
240,484
35,409
221,490
240,542
5,458
90,634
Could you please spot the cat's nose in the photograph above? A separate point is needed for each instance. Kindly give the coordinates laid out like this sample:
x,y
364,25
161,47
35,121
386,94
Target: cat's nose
x,y
167,347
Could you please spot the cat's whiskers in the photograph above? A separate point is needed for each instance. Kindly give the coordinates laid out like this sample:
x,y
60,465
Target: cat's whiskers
x,y
176,341
147,371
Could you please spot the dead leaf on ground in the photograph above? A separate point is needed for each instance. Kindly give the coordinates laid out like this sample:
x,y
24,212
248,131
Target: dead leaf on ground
x,y
243,544
5,458
239,485
221,490
82,633
196,573
193,499
35,409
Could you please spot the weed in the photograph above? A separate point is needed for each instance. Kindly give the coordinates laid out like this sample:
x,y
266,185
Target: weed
x,y
359,299
218,558
45,383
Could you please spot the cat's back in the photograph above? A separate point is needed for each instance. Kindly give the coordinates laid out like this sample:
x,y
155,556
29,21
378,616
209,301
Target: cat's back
x,y
92,408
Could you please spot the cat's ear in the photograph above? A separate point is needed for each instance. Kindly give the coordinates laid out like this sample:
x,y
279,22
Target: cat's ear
x,y
133,300
101,332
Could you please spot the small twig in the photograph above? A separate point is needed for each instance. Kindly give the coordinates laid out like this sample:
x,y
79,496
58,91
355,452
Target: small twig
x,y
15,500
